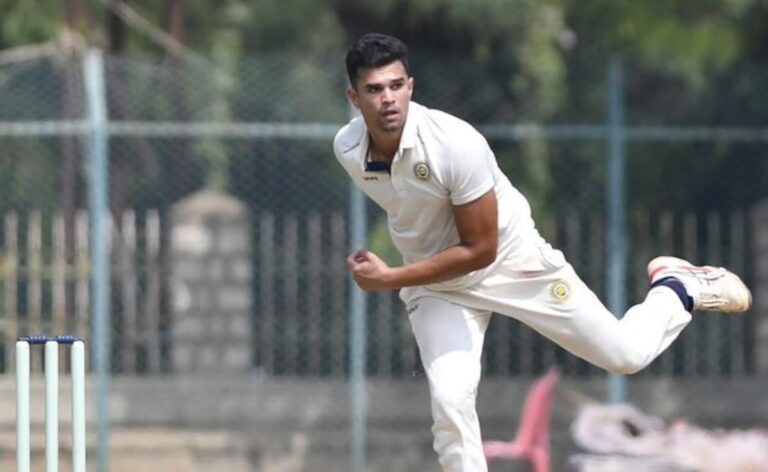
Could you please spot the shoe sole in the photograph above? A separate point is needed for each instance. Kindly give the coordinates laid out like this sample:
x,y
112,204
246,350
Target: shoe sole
x,y
738,295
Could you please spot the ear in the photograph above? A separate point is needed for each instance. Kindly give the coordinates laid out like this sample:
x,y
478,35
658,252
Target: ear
x,y
353,97
410,86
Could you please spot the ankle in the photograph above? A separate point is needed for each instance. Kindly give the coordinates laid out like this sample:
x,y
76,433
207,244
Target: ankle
x,y
676,286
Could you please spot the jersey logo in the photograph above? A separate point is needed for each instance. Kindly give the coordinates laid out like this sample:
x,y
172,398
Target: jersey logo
x,y
422,171
559,291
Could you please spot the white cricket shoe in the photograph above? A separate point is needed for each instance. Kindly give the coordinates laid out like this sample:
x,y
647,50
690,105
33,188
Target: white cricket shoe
x,y
712,288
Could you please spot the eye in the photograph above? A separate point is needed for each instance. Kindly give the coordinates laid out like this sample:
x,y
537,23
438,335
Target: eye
x,y
373,88
397,86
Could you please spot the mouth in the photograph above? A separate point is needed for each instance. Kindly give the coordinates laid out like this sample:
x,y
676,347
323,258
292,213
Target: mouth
x,y
390,114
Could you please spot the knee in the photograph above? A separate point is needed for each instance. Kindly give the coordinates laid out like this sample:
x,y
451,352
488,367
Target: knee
x,y
624,369
452,413
456,428
452,404
626,364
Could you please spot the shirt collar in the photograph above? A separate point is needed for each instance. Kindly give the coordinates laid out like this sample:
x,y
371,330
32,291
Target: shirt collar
x,y
411,127
407,139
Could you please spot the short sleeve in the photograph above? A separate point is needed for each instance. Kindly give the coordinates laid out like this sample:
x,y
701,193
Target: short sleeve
x,y
471,169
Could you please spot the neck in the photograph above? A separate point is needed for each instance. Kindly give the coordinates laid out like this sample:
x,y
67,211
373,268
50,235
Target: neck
x,y
384,147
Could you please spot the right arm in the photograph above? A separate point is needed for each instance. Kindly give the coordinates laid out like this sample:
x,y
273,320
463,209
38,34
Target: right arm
x,y
477,226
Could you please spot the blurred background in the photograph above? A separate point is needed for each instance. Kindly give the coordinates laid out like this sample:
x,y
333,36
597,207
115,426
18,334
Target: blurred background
x,y
168,191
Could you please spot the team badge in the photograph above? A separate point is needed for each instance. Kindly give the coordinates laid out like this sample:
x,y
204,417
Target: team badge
x,y
422,171
559,291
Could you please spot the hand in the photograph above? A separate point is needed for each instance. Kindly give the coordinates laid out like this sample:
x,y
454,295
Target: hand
x,y
369,271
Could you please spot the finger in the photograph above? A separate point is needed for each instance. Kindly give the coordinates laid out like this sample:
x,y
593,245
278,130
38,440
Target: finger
x,y
356,257
361,256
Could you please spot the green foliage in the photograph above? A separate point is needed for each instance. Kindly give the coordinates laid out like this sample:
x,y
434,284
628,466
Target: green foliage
x,y
505,61
27,168
684,39
28,21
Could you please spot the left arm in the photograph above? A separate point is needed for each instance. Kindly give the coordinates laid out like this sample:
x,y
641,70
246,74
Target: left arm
x,y
477,225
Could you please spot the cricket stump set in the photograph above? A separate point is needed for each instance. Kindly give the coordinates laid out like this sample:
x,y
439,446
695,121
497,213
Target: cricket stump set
x,y
50,345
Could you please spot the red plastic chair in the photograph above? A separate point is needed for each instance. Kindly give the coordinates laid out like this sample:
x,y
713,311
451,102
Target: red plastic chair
x,y
532,439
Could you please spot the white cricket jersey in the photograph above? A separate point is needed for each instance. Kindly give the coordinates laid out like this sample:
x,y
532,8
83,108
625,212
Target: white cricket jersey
x,y
442,161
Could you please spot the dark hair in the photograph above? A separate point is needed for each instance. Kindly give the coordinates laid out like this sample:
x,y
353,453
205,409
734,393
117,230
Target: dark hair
x,y
375,50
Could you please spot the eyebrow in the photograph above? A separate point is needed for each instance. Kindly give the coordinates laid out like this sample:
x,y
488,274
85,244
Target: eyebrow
x,y
399,80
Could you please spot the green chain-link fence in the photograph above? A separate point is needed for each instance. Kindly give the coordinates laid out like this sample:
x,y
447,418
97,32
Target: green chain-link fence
x,y
230,217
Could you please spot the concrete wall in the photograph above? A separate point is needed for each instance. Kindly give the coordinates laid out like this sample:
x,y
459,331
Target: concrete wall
x,y
760,286
250,423
210,284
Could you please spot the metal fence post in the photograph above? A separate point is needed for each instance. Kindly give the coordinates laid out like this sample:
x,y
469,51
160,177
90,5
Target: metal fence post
x,y
98,199
357,328
616,260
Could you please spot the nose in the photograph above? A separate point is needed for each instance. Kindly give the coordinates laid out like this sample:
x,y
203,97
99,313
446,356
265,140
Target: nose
x,y
388,96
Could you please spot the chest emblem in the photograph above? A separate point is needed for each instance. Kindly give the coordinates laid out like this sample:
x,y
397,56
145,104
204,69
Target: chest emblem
x,y
422,171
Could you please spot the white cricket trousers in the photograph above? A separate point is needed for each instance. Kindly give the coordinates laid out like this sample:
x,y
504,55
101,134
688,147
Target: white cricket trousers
x,y
450,327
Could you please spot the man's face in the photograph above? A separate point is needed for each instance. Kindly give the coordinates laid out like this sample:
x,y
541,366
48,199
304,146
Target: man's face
x,y
382,95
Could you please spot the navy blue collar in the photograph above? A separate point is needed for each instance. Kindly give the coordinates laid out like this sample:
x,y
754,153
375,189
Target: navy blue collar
x,y
377,166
